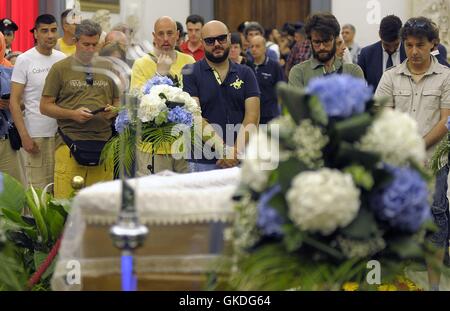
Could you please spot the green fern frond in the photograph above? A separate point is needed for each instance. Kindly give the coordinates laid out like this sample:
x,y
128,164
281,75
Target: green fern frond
x,y
441,151
112,150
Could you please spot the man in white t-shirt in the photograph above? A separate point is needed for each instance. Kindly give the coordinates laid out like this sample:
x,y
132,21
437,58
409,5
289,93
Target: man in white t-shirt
x,y
36,130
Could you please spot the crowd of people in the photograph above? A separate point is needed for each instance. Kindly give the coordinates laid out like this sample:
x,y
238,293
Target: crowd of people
x,y
59,97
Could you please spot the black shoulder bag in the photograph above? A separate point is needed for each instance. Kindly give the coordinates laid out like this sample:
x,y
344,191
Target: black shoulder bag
x,y
85,152
14,137
13,133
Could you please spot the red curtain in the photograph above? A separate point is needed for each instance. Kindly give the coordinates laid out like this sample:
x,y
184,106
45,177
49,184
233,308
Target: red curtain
x,y
4,8
23,13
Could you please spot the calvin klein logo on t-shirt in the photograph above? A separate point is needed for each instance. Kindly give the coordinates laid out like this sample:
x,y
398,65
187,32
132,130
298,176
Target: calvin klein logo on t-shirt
x,y
40,70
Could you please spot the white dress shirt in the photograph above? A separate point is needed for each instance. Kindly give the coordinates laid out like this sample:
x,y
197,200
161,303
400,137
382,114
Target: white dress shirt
x,y
395,58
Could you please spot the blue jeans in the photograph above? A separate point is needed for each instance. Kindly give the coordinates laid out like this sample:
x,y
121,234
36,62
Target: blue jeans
x,y
202,167
440,212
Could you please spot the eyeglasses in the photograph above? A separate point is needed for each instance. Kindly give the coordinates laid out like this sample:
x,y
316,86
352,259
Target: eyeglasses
x,y
222,39
326,42
8,32
89,78
414,23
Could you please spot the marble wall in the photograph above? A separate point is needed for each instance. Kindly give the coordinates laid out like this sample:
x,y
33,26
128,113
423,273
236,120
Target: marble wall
x,y
366,15
144,14
439,12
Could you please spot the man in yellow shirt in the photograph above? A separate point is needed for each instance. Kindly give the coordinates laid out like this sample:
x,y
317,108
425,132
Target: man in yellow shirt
x,y
69,21
163,61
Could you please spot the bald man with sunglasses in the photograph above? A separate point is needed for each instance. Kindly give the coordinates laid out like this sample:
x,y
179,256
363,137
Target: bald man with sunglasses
x,y
228,94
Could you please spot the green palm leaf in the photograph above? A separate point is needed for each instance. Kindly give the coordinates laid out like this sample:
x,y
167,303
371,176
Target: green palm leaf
x,y
13,198
164,136
441,151
113,150
12,273
159,137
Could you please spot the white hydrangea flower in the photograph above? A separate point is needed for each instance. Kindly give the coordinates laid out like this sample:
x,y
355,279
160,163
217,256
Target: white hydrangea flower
x,y
245,232
285,125
151,106
179,96
309,142
394,135
190,103
261,157
323,200
167,90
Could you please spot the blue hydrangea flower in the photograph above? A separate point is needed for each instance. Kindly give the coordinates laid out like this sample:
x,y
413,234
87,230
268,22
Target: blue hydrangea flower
x,y
156,80
448,123
404,202
180,115
269,221
341,95
122,121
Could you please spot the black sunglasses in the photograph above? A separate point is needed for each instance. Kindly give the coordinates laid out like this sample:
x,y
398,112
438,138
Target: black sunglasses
x,y
89,78
414,23
211,40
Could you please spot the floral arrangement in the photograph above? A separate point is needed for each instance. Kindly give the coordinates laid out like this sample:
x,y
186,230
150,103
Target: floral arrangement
x,y
349,188
157,109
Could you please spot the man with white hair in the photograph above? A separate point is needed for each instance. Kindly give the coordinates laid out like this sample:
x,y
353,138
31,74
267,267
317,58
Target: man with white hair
x,y
348,34
342,51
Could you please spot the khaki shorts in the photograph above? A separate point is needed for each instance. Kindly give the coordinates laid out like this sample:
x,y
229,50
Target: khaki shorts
x,y
40,167
10,162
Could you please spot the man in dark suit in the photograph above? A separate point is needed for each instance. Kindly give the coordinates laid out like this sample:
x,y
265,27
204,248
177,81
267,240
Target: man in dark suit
x,y
441,54
376,58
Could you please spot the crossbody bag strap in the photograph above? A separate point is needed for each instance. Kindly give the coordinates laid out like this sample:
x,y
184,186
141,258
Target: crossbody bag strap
x,y
65,138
